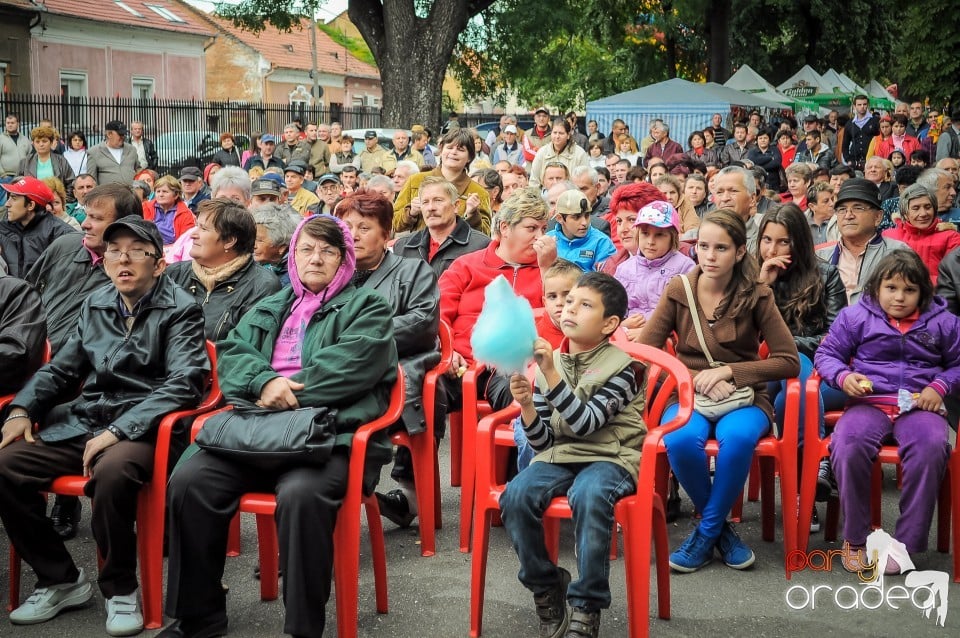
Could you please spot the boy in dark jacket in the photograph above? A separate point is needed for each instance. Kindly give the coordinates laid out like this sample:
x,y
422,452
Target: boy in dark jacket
x,y
137,353
587,429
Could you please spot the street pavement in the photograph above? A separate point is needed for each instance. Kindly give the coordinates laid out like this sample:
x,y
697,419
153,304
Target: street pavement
x,y
429,597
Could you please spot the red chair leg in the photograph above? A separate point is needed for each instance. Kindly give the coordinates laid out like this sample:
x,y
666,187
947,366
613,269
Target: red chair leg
x,y
269,551
456,448
753,482
233,536
437,505
767,497
478,569
876,492
736,514
346,569
377,551
150,545
422,453
551,536
14,588
467,484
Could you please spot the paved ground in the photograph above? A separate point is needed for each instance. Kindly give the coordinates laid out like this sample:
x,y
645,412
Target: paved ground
x,y
429,597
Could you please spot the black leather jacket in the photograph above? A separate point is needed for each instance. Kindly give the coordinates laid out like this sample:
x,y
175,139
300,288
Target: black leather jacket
x,y
22,246
128,379
65,276
411,288
22,333
230,299
835,298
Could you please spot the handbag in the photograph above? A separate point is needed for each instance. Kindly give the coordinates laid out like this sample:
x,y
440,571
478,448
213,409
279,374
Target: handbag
x,y
271,439
709,408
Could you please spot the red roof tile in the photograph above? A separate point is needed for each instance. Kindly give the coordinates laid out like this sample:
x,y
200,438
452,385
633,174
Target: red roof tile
x,y
292,50
140,14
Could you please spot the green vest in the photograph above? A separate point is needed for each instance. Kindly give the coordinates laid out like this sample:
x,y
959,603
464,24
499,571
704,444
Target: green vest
x,y
621,438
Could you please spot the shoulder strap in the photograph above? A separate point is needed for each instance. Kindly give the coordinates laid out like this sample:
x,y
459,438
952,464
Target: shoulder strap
x,y
696,319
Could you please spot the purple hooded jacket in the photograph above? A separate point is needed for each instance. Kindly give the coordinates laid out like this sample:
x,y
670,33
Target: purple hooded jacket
x,y
645,279
863,340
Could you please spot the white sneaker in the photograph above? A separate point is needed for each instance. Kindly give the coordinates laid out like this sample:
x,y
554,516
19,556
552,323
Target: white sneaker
x,y
124,617
46,602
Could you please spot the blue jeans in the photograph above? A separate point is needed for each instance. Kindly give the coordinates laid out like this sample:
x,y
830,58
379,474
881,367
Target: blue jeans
x,y
830,399
525,453
737,433
592,489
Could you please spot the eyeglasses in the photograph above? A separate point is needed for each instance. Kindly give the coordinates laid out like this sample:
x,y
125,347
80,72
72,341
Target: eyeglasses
x,y
134,255
326,253
856,210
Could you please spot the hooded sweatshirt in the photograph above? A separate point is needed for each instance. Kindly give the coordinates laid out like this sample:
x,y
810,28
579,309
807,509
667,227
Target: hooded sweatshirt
x,y
286,353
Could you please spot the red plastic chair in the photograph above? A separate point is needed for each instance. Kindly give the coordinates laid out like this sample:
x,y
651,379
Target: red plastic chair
x,y
423,450
346,570
816,448
151,505
641,515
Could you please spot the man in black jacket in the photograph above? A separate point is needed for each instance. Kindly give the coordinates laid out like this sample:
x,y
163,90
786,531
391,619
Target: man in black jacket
x,y
137,354
68,271
28,228
858,132
22,333
146,149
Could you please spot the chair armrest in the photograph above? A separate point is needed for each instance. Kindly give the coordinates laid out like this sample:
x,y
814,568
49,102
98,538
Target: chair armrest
x,y
199,421
485,449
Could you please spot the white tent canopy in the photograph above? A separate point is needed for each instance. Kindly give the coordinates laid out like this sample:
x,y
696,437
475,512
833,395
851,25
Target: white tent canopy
x,y
801,80
875,89
749,81
684,106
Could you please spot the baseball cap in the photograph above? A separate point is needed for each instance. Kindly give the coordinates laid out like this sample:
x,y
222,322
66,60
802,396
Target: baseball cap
x,y
296,167
268,138
326,178
572,202
660,214
265,187
541,109
31,188
190,174
810,119
509,128
860,190
116,125
142,228
369,135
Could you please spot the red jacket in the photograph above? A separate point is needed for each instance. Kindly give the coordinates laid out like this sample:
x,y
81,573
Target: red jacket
x,y
930,244
462,286
886,147
183,219
549,330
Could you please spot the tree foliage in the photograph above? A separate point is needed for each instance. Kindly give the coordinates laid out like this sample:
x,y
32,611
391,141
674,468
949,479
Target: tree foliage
x,y
929,69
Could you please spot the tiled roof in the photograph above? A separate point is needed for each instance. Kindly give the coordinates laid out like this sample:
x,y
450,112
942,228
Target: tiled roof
x,y
292,50
151,14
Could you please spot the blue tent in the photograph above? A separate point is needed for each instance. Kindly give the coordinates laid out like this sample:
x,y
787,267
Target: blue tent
x,y
684,106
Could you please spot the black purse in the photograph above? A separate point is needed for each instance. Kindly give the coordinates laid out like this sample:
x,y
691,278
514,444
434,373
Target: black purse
x,y
271,439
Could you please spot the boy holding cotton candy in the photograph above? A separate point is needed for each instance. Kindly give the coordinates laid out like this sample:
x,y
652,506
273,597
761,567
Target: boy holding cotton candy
x,y
583,417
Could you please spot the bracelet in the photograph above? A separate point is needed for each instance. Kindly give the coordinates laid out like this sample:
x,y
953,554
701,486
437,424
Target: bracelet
x,y
16,416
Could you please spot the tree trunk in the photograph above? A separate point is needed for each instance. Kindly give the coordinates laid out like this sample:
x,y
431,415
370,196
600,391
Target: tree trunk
x,y
718,45
412,53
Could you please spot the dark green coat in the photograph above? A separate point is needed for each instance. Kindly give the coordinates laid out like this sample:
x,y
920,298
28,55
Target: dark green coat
x,y
349,357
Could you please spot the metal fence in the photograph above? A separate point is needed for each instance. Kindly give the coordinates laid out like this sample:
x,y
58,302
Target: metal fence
x,y
89,115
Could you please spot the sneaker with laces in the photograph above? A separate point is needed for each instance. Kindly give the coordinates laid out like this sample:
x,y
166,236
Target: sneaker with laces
x,y
46,602
124,617
734,551
583,623
552,608
694,553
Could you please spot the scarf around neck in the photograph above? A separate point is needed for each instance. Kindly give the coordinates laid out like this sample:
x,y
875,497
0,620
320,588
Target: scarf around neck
x,y
212,276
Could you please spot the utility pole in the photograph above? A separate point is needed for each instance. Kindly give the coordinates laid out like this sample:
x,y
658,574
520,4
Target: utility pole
x,y
316,92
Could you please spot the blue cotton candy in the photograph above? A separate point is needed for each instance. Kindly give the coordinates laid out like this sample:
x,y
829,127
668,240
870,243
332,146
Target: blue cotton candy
x,y
505,331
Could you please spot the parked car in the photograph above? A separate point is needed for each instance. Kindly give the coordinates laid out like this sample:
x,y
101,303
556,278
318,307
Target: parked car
x,y
486,127
178,149
384,137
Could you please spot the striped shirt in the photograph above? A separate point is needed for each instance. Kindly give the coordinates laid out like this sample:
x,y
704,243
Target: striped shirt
x,y
583,417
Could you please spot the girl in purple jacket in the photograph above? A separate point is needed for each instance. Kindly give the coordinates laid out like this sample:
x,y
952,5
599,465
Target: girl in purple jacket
x,y
896,354
656,234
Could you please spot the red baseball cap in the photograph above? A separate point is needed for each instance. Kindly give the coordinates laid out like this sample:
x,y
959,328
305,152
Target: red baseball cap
x,y
31,188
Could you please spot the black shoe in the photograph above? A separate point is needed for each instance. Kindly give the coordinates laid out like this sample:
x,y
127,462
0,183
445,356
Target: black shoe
x,y
583,623
65,516
826,482
552,608
673,500
256,572
814,521
194,629
395,508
